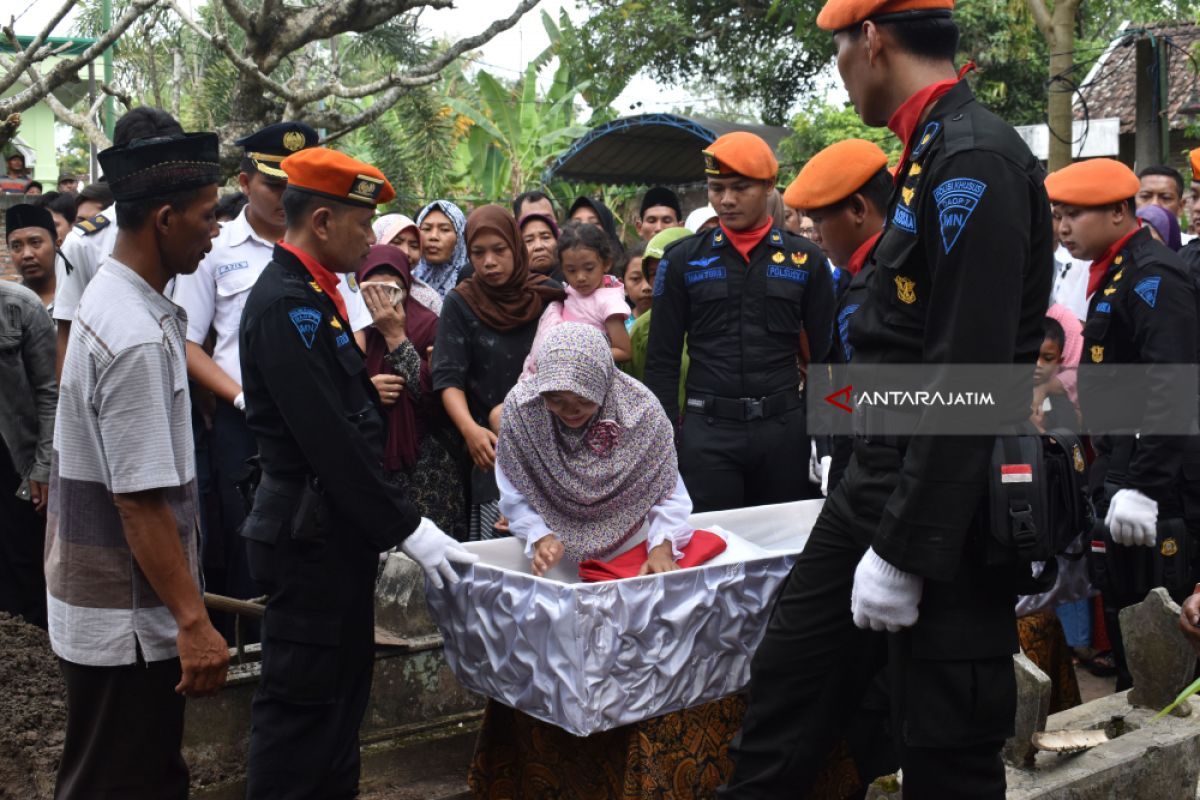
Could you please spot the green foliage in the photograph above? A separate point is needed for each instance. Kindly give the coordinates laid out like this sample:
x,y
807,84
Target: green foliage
x,y
821,124
1010,55
74,157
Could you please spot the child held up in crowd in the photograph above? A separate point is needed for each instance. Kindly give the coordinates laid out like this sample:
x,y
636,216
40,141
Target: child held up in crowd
x,y
1054,377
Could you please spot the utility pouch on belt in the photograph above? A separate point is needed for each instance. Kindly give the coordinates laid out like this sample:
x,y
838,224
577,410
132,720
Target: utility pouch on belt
x,y
308,524
1037,501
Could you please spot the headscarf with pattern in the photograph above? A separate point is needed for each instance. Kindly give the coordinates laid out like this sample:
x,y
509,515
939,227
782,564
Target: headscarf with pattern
x,y
593,485
444,277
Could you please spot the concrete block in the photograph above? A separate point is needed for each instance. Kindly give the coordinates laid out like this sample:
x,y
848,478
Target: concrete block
x,y
1160,659
1033,705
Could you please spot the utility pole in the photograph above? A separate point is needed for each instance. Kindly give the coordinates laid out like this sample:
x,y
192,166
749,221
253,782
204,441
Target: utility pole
x,y
1151,128
106,24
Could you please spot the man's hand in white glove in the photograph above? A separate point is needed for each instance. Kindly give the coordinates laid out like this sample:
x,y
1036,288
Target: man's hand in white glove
x,y
434,551
825,462
884,598
814,464
1132,519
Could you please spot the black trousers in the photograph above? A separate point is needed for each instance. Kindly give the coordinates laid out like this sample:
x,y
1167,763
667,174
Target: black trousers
x,y
231,443
318,655
22,540
950,677
124,733
733,464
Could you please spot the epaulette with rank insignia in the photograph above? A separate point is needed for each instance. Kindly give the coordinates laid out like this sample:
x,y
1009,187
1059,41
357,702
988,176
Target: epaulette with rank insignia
x,y
93,224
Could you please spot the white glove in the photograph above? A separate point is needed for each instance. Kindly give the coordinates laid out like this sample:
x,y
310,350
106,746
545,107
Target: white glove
x,y
239,402
434,551
1132,518
884,598
814,464
825,462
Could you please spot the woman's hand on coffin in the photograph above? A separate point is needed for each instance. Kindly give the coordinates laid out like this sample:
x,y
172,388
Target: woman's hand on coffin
x,y
546,553
481,444
434,550
662,559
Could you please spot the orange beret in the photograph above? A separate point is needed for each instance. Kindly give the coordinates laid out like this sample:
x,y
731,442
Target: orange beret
x,y
1095,182
741,153
328,173
838,14
1194,157
835,173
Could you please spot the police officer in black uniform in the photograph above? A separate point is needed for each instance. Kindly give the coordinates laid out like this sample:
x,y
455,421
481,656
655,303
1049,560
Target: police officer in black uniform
x,y
323,510
1142,310
961,274
844,190
742,294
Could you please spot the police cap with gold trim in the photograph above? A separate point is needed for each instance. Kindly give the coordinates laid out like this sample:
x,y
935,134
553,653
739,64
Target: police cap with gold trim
x,y
741,153
841,14
328,173
268,147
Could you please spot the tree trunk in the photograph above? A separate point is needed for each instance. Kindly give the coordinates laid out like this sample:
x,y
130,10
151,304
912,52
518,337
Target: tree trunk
x,y
1060,106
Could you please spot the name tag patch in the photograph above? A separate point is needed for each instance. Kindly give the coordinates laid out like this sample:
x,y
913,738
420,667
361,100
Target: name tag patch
x,y
787,273
225,269
700,275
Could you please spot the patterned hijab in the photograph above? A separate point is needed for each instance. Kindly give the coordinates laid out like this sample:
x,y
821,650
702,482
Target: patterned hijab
x,y
444,277
519,300
592,485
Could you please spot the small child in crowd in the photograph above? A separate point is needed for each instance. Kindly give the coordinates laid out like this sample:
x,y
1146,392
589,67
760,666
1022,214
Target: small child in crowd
x,y
1054,377
638,291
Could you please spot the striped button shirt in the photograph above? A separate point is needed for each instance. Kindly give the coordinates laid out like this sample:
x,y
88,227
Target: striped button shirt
x,y
123,426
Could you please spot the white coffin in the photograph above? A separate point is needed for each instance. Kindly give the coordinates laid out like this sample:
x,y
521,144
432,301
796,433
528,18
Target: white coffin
x,y
588,657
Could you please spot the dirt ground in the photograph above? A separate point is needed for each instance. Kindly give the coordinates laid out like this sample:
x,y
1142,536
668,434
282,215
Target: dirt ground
x,y
33,712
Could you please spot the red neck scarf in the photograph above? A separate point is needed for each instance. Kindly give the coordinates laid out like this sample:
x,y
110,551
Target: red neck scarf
x,y
860,255
324,278
907,117
1099,267
745,241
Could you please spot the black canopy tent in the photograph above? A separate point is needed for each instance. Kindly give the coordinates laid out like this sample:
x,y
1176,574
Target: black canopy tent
x,y
648,149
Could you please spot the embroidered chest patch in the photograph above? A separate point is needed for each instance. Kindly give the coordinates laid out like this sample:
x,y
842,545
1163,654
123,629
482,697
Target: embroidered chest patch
x,y
695,276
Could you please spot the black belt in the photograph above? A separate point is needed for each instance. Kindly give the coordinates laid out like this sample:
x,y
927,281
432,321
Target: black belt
x,y
744,409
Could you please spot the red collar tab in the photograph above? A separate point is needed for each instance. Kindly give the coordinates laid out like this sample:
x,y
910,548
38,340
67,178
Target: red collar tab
x,y
326,280
1100,266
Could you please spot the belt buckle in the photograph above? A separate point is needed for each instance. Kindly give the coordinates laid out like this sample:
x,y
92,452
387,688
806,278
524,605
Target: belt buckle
x,y
752,407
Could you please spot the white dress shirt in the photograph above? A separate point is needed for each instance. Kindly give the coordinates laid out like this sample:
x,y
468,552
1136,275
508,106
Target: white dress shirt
x,y
216,292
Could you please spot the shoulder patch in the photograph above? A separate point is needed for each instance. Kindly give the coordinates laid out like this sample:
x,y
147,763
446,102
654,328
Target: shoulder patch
x,y
927,136
904,219
1147,289
306,320
956,200
660,277
93,224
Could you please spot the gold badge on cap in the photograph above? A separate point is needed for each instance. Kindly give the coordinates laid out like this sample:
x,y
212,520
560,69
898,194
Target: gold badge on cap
x,y
293,140
366,189
710,164
906,289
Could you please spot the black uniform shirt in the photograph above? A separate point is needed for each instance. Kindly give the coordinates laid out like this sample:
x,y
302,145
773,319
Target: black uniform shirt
x,y
1144,313
311,405
742,321
961,274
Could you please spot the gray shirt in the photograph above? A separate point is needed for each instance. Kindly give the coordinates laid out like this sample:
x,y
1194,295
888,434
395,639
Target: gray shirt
x,y
29,396
124,426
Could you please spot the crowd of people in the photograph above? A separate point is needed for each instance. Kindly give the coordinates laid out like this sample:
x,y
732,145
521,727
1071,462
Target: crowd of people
x,y
260,392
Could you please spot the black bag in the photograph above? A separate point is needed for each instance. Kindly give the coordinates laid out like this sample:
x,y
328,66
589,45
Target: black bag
x,y
1038,502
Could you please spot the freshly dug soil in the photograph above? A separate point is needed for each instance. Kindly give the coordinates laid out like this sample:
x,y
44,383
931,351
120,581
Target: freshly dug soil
x,y
33,712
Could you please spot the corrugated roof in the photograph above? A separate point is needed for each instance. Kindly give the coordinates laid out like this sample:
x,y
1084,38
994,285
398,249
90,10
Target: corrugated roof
x,y
649,149
1111,88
